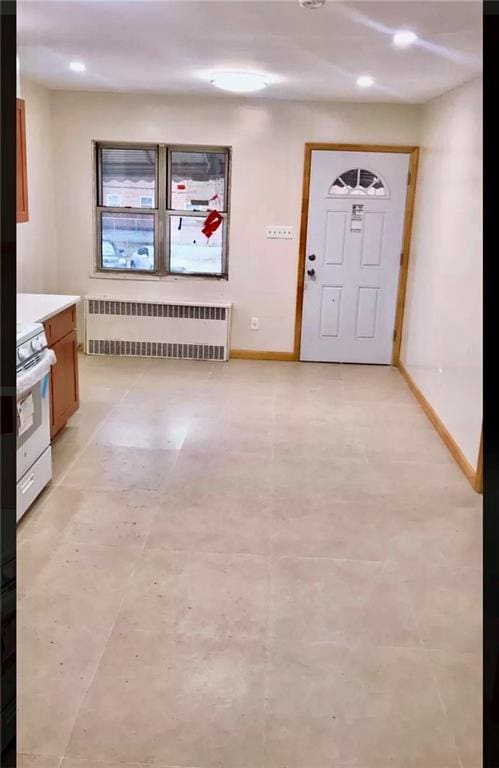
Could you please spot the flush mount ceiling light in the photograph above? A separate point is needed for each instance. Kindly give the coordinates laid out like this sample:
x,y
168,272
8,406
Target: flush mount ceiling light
x,y
365,81
239,82
404,38
77,66
312,3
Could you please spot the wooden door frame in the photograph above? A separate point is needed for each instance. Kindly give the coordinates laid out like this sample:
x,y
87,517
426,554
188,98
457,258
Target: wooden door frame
x,y
479,467
406,240
22,213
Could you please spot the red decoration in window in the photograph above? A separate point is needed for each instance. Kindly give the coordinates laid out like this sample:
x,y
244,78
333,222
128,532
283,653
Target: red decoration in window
x,y
211,223
180,186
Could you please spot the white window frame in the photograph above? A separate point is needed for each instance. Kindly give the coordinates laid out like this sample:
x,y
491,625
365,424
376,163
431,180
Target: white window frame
x,y
162,212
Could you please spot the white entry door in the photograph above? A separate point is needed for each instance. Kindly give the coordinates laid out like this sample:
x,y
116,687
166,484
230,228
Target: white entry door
x,y
353,254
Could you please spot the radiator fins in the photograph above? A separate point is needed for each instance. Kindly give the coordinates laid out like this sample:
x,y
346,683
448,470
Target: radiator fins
x,y
156,348
148,309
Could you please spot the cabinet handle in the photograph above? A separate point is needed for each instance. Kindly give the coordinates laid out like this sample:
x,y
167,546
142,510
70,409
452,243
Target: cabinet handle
x,y
29,482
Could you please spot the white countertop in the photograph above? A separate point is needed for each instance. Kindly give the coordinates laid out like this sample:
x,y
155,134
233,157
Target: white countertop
x,y
38,307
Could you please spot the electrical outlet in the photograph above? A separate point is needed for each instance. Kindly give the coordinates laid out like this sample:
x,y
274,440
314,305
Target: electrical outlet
x,y
255,324
275,232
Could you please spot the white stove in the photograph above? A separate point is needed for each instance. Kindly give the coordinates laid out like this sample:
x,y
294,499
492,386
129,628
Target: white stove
x,y
30,340
34,458
25,330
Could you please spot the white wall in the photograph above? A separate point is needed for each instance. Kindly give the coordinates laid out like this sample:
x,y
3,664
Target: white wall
x,y
268,147
37,269
442,341
442,346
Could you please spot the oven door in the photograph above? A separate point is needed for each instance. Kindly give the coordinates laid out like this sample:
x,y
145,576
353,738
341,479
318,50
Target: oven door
x,y
33,415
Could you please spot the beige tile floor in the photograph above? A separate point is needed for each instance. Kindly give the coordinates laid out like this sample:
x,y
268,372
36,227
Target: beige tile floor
x,y
249,565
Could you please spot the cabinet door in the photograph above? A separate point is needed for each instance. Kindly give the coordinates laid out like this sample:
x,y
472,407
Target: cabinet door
x,y
21,172
58,326
64,382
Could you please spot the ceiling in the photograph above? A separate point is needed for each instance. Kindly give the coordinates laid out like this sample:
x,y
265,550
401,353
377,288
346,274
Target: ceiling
x,y
173,46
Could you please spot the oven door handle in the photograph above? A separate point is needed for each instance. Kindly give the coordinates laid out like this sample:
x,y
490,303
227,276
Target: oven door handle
x,y
27,484
26,380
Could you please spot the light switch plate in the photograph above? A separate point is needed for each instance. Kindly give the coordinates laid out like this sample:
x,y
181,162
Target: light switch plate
x,y
275,232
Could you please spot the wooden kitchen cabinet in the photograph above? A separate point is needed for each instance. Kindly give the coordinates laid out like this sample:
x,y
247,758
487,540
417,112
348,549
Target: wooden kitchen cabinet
x,y
64,395
21,167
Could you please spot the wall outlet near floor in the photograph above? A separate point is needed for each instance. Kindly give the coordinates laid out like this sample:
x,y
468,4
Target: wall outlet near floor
x,y
255,324
275,232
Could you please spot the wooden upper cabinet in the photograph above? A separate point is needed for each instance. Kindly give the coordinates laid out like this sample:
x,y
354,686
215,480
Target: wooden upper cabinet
x,y
21,170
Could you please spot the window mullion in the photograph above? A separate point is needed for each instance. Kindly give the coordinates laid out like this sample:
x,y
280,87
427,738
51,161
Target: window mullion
x,y
126,209
98,159
195,214
163,256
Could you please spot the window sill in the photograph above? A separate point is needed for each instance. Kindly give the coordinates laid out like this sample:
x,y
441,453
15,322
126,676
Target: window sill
x,y
155,278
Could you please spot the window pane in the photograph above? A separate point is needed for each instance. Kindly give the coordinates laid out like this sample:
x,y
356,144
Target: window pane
x,y
127,241
198,181
129,174
358,182
191,250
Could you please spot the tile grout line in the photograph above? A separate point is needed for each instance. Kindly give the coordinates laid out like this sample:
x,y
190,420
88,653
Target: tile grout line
x,y
269,603
432,671
267,666
278,555
444,709
275,396
269,585
126,764
140,552
90,438
65,473
130,575
138,556
222,553
412,609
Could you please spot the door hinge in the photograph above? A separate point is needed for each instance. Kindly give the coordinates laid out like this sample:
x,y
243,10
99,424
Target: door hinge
x,y
401,258
394,334
408,178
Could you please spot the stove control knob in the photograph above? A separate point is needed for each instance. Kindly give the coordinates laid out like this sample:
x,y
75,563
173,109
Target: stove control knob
x,y
36,345
23,353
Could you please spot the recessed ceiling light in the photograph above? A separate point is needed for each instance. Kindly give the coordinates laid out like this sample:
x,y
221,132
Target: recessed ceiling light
x,y
239,82
77,66
312,3
365,81
404,38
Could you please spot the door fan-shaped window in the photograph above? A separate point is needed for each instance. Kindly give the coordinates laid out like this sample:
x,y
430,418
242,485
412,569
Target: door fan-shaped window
x,y
358,182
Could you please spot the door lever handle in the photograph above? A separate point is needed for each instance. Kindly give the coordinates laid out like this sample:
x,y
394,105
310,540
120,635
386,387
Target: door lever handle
x,y
311,257
310,272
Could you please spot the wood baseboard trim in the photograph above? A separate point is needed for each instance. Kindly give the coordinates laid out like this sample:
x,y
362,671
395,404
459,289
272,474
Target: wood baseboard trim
x,y
255,354
445,435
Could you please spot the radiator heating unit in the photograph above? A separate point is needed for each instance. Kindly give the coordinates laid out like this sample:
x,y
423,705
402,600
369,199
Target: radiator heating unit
x,y
187,330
